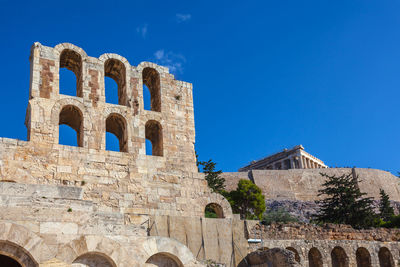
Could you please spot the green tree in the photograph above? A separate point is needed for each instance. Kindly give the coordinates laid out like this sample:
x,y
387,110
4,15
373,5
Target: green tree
x,y
213,177
247,200
386,211
344,202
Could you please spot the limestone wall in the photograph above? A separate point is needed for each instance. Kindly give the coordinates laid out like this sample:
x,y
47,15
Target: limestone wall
x,y
220,240
44,225
303,184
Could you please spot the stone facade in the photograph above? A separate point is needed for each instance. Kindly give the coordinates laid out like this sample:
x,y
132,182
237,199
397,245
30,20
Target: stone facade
x,y
294,158
66,205
331,245
63,206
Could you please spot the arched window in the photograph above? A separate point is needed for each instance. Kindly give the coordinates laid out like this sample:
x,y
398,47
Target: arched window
x,y
153,132
72,117
363,257
12,255
116,124
151,81
94,259
314,258
213,210
296,253
165,260
71,61
385,257
339,257
115,69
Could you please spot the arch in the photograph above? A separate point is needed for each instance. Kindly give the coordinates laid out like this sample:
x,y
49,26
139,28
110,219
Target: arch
x,y
219,200
214,208
22,245
72,116
97,248
296,253
116,124
94,259
116,70
153,132
339,257
151,79
164,260
167,247
314,258
13,255
385,257
363,258
72,61
60,47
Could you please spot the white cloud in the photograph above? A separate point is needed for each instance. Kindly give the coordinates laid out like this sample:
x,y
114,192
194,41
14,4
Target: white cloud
x,y
183,17
142,30
170,60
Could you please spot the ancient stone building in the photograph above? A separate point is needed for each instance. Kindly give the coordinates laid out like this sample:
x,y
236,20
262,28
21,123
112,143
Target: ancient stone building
x,y
294,158
85,206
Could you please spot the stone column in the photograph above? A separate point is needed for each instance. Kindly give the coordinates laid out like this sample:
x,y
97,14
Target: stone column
x,y
300,161
292,164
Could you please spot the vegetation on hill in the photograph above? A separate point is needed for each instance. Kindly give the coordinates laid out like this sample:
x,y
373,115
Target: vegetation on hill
x,y
278,216
386,211
344,202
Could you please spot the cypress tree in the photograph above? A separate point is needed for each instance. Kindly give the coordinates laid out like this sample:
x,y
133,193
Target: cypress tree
x,y
385,210
344,202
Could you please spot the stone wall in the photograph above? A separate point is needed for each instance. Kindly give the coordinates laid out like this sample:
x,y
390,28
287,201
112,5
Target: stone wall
x,y
326,232
303,184
220,240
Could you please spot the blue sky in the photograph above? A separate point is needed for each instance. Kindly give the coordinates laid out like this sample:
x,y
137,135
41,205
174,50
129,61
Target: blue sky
x,y
267,75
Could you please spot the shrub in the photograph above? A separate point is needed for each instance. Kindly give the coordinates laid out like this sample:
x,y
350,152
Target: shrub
x,y
278,216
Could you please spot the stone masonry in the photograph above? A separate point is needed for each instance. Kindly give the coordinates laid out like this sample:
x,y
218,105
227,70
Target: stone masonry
x,y
63,206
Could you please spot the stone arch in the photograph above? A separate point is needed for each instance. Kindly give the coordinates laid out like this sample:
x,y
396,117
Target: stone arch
x,y
94,259
118,68
296,253
62,46
117,125
166,247
72,57
22,245
215,208
314,258
55,116
363,257
154,133
164,260
72,61
385,257
219,200
339,257
72,116
151,78
91,249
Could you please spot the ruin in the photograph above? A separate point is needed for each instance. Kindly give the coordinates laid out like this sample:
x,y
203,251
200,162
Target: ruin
x,y
294,158
87,206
